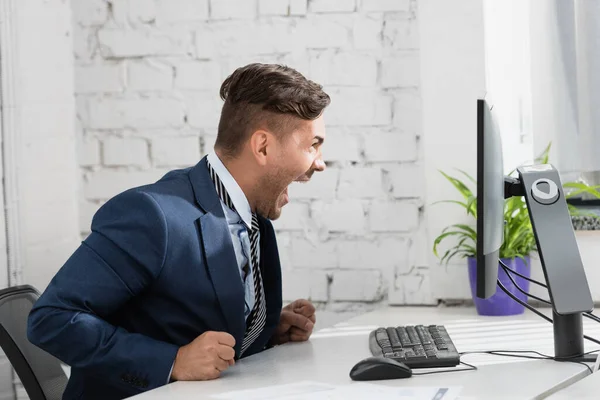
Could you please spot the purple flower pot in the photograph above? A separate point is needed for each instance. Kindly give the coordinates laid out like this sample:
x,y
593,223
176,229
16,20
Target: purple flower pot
x,y
500,303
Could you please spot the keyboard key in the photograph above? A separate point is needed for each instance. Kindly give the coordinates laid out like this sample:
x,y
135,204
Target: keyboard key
x,y
417,348
394,339
403,335
412,334
424,335
415,357
381,334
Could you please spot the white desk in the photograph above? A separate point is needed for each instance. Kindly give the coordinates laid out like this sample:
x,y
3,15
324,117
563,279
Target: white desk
x,y
586,388
331,353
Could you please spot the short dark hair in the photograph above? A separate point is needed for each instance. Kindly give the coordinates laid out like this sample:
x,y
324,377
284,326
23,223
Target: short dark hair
x,y
271,95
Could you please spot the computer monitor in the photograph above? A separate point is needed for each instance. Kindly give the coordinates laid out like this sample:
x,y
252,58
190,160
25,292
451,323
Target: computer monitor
x,y
490,199
542,189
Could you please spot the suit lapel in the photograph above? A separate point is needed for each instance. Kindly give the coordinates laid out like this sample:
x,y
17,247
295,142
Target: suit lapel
x,y
219,252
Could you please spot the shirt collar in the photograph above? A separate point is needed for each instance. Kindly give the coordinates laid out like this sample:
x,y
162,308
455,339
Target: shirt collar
x,y
240,202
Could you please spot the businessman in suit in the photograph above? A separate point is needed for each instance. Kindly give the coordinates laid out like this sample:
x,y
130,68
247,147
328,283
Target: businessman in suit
x,y
180,278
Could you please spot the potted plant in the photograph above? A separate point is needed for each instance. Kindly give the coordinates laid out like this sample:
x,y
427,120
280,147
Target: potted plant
x,y
518,244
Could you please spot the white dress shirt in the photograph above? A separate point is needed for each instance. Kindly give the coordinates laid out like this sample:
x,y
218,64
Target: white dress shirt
x,y
238,223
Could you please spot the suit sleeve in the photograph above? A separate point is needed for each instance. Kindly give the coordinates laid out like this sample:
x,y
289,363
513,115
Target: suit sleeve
x,y
121,257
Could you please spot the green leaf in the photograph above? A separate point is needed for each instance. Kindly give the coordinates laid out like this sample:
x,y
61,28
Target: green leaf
x,y
454,253
467,229
576,212
469,177
460,186
441,237
460,203
472,206
543,158
582,188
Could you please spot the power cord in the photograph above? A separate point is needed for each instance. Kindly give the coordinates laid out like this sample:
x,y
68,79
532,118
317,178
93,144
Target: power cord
x,y
523,276
540,356
515,298
510,271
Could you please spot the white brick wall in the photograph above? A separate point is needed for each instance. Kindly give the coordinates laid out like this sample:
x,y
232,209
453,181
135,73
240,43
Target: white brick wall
x,y
125,151
178,151
361,183
386,5
173,11
198,75
327,6
99,78
273,7
134,113
148,74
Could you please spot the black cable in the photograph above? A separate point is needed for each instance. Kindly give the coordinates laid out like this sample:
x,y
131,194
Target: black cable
x,y
471,368
525,351
591,316
510,271
515,298
522,276
520,354
591,339
507,270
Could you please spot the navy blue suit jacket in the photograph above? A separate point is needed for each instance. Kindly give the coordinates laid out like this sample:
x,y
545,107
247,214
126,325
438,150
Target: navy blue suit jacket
x,y
157,271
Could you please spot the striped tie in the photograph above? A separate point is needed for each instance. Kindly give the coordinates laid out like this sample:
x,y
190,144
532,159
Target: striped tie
x,y
258,315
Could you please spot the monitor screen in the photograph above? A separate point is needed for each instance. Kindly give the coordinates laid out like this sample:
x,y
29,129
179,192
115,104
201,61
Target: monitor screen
x,y
490,199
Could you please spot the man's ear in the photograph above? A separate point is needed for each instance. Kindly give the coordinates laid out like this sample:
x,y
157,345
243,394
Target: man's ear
x,y
259,144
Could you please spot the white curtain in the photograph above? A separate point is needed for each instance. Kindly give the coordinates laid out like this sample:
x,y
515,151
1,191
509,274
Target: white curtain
x,y
587,33
565,61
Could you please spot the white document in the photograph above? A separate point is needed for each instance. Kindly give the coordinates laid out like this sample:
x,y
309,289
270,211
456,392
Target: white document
x,y
355,390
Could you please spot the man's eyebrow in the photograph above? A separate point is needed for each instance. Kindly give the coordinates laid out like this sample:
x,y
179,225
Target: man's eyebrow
x,y
320,139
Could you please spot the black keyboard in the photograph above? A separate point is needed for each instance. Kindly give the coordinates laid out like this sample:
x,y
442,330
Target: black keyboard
x,y
416,346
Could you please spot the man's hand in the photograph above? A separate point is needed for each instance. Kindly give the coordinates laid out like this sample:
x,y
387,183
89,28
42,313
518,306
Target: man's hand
x,y
296,323
205,358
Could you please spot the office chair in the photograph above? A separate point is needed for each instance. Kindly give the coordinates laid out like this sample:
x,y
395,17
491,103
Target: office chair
x,y
41,374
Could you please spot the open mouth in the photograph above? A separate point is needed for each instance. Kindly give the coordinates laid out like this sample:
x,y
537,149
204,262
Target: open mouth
x,y
285,197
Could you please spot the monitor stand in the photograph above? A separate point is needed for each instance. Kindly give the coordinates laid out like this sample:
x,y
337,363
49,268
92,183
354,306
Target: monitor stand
x,y
559,255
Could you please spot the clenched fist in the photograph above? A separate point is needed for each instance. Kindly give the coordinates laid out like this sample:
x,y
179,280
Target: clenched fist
x,y
205,358
296,323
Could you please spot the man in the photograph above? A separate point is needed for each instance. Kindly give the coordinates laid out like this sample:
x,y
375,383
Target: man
x,y
180,278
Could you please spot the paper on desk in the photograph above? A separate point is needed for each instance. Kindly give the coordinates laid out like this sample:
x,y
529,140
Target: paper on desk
x,y
356,390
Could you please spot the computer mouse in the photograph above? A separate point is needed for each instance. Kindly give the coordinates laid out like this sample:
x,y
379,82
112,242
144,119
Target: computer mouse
x,y
377,368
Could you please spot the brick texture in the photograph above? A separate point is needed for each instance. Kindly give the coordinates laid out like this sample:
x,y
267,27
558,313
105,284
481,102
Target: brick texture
x,y
148,74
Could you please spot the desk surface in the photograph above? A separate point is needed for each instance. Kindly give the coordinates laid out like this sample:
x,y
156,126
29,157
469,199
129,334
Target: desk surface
x,y
586,388
331,353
